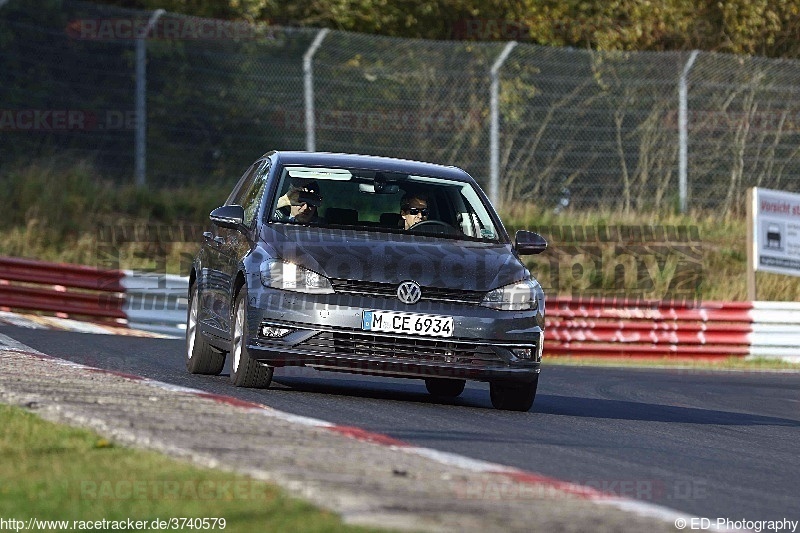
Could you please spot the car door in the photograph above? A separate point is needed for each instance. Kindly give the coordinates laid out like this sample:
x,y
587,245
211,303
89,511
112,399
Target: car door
x,y
236,244
215,279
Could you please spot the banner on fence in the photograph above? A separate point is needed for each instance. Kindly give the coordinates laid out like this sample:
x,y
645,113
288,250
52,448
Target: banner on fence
x,y
773,233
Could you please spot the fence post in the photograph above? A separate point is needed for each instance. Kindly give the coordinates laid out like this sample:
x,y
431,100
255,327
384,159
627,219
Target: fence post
x,y
683,133
308,85
140,140
494,140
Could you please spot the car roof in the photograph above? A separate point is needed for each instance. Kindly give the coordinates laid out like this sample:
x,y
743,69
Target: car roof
x,y
370,162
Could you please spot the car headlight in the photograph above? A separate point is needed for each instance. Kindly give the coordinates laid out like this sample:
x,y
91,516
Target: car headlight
x,y
520,296
290,277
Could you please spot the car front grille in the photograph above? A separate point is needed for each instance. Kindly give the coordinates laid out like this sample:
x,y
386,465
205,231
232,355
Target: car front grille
x,y
389,290
413,349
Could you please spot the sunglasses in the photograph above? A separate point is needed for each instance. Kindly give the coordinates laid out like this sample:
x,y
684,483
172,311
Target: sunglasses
x,y
417,211
312,199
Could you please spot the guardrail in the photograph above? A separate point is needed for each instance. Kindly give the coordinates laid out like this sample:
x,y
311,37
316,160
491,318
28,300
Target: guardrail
x,y
612,327
581,327
776,330
156,302
71,291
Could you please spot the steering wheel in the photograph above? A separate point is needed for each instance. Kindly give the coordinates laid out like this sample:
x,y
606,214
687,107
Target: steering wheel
x,y
434,226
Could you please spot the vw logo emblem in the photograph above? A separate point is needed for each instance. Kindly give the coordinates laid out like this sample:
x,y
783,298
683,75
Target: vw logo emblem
x,y
409,292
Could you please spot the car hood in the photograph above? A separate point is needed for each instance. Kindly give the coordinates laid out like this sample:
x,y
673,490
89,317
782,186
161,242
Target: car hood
x,y
393,258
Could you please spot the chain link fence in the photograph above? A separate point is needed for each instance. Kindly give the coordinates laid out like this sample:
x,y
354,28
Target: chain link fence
x,y
590,128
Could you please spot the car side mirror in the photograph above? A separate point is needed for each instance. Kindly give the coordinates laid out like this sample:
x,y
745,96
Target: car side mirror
x,y
529,243
228,216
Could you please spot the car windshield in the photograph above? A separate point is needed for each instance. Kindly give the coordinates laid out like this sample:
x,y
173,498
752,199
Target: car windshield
x,y
378,201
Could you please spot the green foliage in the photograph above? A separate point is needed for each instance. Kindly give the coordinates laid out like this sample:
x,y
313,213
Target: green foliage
x,y
55,208
722,246
68,197
762,27
54,192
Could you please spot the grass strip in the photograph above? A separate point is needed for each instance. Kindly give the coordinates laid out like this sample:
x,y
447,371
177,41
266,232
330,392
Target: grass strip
x,y
56,472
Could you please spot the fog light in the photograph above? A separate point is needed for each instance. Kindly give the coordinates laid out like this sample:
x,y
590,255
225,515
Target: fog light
x,y
523,353
274,332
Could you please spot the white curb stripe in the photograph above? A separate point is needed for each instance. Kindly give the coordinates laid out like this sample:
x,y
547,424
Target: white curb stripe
x,y
14,319
452,459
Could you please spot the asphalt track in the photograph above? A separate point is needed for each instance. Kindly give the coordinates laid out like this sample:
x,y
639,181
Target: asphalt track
x,y
708,443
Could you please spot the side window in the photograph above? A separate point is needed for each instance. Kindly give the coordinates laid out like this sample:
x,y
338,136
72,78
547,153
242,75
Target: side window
x,y
244,185
252,198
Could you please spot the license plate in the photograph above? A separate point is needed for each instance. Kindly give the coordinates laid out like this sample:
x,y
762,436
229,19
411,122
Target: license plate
x,y
408,323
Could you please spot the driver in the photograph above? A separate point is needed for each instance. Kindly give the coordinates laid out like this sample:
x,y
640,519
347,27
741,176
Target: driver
x,y
413,209
300,204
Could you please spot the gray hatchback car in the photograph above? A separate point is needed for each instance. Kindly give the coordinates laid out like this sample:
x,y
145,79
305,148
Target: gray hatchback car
x,y
369,265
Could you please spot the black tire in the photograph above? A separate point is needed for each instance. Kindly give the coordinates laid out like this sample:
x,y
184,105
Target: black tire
x,y
245,371
201,358
513,396
445,388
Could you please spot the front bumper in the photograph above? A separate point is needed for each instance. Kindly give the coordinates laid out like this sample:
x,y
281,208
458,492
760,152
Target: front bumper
x,y
324,331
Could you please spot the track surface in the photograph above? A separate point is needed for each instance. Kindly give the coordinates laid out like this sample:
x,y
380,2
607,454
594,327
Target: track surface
x,y
712,444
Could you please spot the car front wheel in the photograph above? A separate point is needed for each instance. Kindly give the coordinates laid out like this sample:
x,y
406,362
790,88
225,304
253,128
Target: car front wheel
x,y
245,371
513,396
201,358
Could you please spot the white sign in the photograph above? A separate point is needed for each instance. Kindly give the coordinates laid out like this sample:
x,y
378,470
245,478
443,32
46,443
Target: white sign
x,y
776,231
